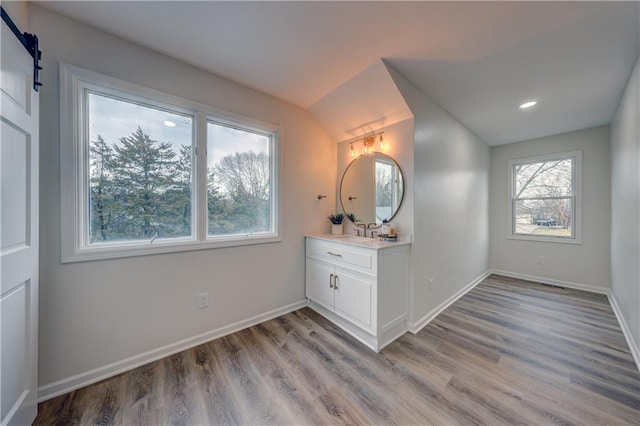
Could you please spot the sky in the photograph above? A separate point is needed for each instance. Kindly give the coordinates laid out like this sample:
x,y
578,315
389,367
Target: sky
x,y
114,118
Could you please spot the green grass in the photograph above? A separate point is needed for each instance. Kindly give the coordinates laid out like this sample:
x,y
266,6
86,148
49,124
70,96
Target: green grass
x,y
551,230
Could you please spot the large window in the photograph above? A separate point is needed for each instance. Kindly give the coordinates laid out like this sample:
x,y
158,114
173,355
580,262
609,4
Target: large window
x,y
545,198
144,172
140,161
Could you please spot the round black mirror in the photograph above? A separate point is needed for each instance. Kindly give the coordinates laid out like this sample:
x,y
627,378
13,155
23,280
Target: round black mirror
x,y
372,189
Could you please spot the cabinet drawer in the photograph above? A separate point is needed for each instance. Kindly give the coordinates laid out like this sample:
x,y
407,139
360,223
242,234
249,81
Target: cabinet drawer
x,y
343,255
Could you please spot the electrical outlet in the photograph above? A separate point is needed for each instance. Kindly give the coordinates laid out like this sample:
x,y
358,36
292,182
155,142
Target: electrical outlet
x,y
203,300
541,260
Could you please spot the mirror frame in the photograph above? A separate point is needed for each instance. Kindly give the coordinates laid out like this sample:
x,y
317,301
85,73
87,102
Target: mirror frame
x,y
404,186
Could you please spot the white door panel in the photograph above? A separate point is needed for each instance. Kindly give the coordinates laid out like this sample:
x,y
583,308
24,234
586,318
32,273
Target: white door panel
x,y
16,84
353,296
320,282
18,234
15,334
14,152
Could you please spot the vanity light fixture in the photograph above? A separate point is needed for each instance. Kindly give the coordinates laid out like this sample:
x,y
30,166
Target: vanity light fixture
x,y
368,144
528,104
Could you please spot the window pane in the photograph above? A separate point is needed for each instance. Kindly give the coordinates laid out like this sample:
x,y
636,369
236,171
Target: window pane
x,y
238,184
544,179
544,217
384,190
140,184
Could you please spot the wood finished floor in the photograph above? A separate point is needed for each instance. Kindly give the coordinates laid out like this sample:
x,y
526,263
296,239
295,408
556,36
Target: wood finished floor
x,y
508,352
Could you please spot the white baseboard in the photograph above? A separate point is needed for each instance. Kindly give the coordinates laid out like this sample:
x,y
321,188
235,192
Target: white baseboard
x,y
557,283
415,327
69,384
633,345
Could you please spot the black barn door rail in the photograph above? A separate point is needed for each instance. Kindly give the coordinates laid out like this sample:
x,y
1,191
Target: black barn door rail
x,y
30,42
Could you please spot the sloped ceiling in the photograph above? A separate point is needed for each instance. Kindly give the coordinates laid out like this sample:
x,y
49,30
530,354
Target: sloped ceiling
x,y
367,102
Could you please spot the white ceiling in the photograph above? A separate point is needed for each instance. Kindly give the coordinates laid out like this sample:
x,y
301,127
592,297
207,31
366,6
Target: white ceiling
x,y
478,60
368,102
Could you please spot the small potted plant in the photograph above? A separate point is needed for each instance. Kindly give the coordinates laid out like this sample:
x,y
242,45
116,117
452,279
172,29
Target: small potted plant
x,y
336,223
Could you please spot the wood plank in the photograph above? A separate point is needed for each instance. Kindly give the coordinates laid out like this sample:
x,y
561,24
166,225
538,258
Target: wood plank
x,y
509,352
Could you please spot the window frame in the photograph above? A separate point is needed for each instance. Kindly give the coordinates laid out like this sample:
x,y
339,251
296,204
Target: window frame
x,y
74,169
218,120
576,198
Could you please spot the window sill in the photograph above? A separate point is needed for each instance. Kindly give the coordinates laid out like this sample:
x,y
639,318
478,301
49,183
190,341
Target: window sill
x,y
546,239
163,247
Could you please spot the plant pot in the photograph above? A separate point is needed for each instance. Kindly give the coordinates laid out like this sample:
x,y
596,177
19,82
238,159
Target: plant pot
x,y
336,229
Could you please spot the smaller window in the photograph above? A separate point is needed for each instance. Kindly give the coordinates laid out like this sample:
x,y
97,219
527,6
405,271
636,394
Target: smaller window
x,y
240,173
544,197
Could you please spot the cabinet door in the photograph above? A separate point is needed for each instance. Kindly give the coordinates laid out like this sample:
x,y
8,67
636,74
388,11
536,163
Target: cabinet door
x,y
319,282
353,296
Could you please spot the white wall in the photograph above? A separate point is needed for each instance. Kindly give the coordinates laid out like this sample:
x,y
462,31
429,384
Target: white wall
x,y
451,194
625,207
586,265
93,314
368,101
399,146
19,13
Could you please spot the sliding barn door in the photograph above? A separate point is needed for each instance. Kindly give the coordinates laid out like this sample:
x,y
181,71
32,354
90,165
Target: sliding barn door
x,y
18,234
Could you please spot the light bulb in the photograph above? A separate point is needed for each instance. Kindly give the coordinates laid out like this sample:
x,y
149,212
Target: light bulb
x,y
528,105
381,142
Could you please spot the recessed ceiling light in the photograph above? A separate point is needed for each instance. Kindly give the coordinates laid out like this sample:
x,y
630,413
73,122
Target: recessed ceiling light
x,y
528,104
169,123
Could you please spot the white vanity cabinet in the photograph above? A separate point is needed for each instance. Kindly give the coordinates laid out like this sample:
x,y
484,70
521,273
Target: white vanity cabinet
x,y
360,285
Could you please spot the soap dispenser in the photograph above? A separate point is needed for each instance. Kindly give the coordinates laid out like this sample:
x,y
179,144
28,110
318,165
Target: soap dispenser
x,y
384,229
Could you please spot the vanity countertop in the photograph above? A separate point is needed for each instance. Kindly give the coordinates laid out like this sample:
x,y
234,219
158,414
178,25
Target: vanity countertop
x,y
372,243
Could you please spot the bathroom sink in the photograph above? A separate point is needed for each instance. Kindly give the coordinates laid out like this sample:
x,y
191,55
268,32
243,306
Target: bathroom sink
x,y
373,243
352,239
347,237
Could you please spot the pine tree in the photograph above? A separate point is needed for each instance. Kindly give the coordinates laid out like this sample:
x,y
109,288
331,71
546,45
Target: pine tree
x,y
217,211
179,199
144,170
101,190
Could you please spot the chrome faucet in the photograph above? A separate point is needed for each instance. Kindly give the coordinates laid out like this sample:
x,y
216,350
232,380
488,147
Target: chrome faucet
x,y
367,227
371,227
